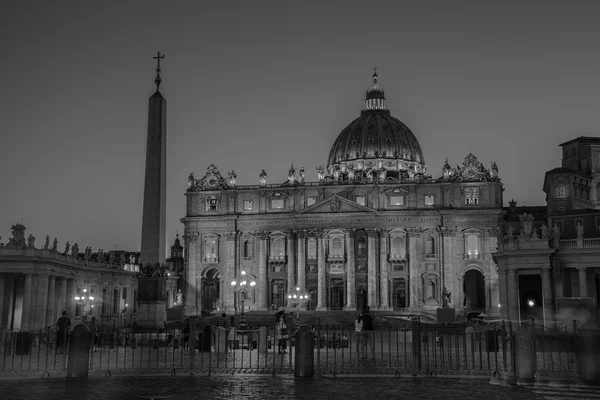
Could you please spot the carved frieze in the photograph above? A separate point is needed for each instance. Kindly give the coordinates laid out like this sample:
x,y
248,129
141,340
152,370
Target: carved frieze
x,y
447,231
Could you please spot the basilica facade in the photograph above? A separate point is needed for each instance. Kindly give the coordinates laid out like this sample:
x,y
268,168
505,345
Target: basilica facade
x,y
373,230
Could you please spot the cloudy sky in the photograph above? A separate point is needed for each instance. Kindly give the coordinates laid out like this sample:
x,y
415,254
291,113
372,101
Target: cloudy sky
x,y
263,84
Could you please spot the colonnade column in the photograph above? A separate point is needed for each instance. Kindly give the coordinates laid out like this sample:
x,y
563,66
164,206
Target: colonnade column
x,y
371,269
2,284
548,304
413,235
62,296
350,272
301,235
50,301
41,304
291,263
262,270
321,301
228,290
583,290
27,303
383,272
191,289
33,314
70,294
512,293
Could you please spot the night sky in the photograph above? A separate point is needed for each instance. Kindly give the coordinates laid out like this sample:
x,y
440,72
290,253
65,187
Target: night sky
x,y
256,84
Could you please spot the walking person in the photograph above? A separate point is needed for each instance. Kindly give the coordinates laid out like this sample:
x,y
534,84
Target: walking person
x,y
63,326
281,333
358,328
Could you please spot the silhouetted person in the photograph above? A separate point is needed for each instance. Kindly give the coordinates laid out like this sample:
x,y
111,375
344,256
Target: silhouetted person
x,y
63,326
368,334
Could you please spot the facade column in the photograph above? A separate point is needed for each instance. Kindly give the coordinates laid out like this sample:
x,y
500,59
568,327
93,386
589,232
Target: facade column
x,y
262,270
321,276
50,301
41,304
371,269
301,235
228,290
350,272
583,290
10,317
488,291
34,297
512,293
191,289
2,284
548,304
384,301
414,233
291,264
61,297
27,303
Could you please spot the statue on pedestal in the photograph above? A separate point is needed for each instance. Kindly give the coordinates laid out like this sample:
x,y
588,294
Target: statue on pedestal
x,y
579,230
292,175
100,257
446,298
301,175
263,178
178,298
320,173
47,244
350,172
191,180
18,239
67,247
30,241
75,250
55,245
556,232
232,178
544,230
122,259
87,254
131,259
111,258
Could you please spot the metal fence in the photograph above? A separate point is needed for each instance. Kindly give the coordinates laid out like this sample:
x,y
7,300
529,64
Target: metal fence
x,y
417,348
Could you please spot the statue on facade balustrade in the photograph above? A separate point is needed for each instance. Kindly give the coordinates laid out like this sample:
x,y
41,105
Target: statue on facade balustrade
x,y
320,173
231,178
494,170
579,230
179,298
446,298
544,230
510,234
191,180
67,247
556,232
111,258
30,241
86,255
47,244
18,239
263,178
100,257
301,175
382,174
132,259
370,174
75,250
526,226
351,172
55,245
292,175
122,259
337,173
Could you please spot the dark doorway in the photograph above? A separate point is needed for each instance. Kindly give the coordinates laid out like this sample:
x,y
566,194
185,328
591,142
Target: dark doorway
x,y
312,304
336,295
474,290
399,294
210,290
530,297
361,299
278,294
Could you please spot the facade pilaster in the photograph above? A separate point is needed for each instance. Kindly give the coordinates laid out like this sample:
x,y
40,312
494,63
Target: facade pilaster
x,y
350,272
414,234
41,304
548,304
301,235
321,276
192,290
262,270
502,281
50,300
583,290
28,304
2,285
291,263
384,301
372,269
448,235
228,290
512,289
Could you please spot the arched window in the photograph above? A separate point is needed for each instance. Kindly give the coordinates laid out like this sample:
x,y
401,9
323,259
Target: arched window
x,y
336,247
472,246
312,249
397,246
277,248
429,245
361,248
247,248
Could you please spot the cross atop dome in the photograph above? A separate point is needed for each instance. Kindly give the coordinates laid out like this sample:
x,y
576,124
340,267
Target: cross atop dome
x,y
375,99
157,80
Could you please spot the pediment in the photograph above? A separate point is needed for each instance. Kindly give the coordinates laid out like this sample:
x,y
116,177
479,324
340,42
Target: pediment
x,y
336,204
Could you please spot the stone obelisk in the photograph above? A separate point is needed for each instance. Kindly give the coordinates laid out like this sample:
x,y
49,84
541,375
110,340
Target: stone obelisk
x,y
154,217
151,289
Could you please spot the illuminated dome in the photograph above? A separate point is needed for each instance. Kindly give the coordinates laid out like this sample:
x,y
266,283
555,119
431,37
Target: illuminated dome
x,y
376,141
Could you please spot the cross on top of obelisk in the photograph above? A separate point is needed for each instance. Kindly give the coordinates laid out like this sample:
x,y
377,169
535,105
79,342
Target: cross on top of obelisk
x,y
157,80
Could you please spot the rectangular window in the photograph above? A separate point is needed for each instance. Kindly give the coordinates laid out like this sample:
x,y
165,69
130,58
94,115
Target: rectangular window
x,y
310,201
277,204
396,200
361,200
561,209
471,196
429,200
247,205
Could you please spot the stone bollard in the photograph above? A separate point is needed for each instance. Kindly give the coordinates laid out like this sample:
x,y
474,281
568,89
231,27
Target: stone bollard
x,y
305,352
79,352
588,347
524,365
262,339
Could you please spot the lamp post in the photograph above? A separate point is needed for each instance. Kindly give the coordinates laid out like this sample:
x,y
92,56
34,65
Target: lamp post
x,y
239,286
298,299
83,299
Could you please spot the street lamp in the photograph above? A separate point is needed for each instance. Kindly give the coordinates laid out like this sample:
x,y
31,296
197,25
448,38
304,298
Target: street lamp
x,y
297,299
240,287
83,299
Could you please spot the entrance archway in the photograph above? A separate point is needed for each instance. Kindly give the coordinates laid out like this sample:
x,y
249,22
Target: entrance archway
x,y
474,290
211,287
399,295
361,299
336,294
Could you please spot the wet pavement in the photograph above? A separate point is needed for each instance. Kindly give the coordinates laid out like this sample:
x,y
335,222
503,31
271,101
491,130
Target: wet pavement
x,y
263,387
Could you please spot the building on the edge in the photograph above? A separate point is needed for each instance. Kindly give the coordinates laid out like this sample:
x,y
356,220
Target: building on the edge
x,y
373,230
549,258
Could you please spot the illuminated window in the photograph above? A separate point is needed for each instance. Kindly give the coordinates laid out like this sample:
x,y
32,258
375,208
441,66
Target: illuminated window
x,y
396,200
211,204
277,204
472,196
429,200
247,205
277,248
361,248
472,246
312,249
310,201
336,247
361,200
398,247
